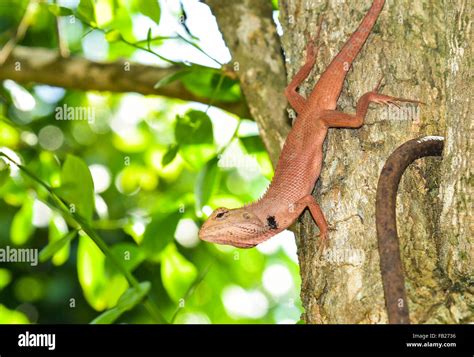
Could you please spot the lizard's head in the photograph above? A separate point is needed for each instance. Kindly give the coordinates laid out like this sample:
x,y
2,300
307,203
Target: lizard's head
x,y
238,227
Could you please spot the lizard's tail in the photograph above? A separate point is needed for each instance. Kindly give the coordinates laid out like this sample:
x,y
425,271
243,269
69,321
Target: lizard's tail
x,y
337,70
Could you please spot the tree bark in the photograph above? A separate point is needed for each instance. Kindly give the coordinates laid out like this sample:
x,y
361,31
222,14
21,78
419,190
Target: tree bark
x,y
414,45
42,65
456,249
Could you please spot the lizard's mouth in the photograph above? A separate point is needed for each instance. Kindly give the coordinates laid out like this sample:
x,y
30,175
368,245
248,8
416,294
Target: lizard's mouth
x,y
237,236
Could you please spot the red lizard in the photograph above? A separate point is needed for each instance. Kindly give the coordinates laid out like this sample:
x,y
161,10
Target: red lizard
x,y
300,162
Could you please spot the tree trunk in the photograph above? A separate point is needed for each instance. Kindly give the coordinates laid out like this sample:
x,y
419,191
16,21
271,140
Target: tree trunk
x,y
422,49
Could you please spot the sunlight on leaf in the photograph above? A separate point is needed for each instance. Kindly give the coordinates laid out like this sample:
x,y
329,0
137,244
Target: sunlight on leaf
x,y
169,156
22,225
86,12
56,245
160,232
177,273
100,290
206,183
150,8
194,135
129,254
172,77
127,301
57,10
5,277
4,172
77,187
12,316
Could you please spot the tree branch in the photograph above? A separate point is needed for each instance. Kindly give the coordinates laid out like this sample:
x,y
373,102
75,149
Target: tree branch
x,y
41,65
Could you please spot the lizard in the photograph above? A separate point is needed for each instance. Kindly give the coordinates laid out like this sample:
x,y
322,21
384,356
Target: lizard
x,y
301,159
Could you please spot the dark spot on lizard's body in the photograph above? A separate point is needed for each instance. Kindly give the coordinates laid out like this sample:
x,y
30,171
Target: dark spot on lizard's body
x,y
272,223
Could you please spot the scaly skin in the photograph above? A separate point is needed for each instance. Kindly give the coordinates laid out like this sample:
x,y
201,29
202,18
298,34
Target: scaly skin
x,y
299,166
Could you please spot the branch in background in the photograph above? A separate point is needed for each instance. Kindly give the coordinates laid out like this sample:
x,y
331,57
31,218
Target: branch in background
x,y
41,65
20,32
250,35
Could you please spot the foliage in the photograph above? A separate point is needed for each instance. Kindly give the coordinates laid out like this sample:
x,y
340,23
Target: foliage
x,y
113,201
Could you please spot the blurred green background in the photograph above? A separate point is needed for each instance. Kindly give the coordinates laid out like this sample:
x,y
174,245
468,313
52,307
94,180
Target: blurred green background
x,y
114,201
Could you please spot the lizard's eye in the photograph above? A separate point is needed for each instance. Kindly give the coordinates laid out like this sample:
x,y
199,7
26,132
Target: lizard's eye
x,y
221,213
246,215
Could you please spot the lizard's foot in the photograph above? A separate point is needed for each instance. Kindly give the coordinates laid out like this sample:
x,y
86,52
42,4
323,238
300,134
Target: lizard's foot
x,y
378,98
311,50
385,99
324,238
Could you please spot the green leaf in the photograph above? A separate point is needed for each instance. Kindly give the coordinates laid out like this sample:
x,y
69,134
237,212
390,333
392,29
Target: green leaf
x,y
150,8
122,22
203,82
113,36
57,10
148,38
177,273
5,278
127,301
172,77
77,187
194,127
159,233
57,231
130,255
104,12
86,12
252,144
193,132
22,225
55,246
206,183
133,296
4,172
169,156
12,316
108,316
100,289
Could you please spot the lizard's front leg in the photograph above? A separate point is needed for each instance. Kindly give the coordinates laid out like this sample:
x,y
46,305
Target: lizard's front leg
x,y
317,214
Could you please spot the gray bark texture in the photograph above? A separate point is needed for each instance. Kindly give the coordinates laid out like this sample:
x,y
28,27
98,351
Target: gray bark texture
x,y
423,50
46,66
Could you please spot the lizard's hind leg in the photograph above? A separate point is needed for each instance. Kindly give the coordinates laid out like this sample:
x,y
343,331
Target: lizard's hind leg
x,y
297,101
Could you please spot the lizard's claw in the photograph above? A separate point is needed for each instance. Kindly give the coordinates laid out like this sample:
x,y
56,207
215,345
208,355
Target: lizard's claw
x,y
385,99
379,84
323,243
311,49
324,237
